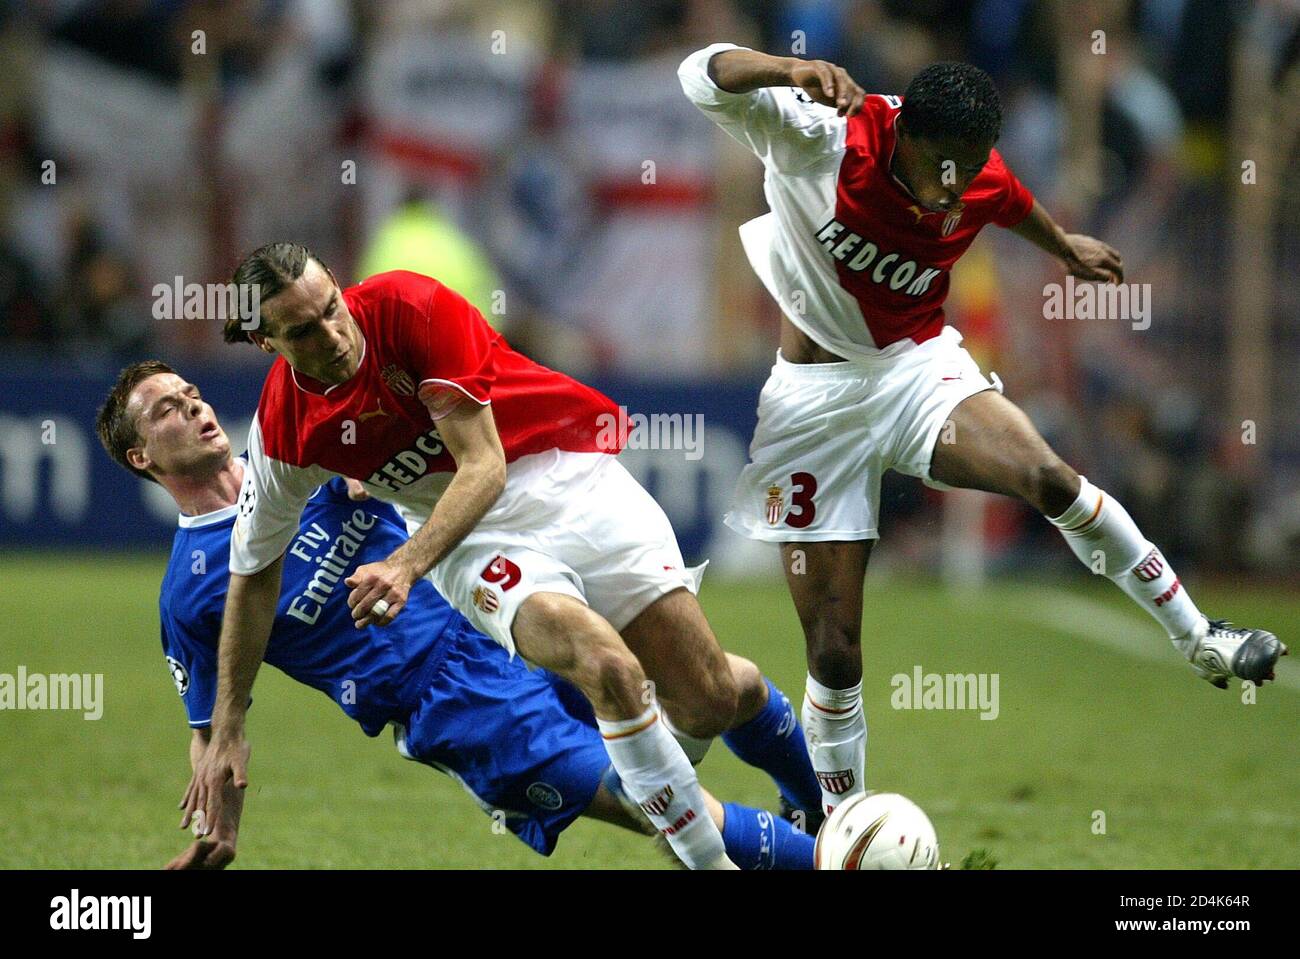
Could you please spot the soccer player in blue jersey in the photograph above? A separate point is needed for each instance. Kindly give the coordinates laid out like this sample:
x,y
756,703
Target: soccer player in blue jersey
x,y
521,741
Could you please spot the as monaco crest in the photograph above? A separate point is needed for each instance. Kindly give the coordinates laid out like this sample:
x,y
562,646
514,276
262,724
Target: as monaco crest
x,y
657,804
486,599
397,380
838,782
775,505
1150,568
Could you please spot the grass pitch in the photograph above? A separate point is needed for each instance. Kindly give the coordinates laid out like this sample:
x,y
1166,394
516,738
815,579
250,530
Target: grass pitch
x,y
1106,751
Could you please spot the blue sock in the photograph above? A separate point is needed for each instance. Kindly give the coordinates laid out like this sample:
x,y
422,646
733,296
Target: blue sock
x,y
773,742
756,839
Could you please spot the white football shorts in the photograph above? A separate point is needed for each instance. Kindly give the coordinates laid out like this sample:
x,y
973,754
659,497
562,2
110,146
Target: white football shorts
x,y
571,523
828,431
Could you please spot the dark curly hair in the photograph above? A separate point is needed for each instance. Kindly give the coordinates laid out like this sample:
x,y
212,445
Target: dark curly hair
x,y
953,100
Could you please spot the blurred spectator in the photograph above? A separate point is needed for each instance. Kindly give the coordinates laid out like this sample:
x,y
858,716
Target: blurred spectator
x,y
421,238
537,156
96,311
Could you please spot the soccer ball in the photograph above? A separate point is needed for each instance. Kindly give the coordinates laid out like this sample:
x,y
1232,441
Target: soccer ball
x,y
877,831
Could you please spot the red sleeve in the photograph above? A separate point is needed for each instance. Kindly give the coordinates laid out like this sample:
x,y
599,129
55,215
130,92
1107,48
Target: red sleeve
x,y
452,352
1017,201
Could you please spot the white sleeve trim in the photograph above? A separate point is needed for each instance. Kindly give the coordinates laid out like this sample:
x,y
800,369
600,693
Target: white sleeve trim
x,y
437,416
458,386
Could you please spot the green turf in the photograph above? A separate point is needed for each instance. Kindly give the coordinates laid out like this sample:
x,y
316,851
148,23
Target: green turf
x,y
1187,776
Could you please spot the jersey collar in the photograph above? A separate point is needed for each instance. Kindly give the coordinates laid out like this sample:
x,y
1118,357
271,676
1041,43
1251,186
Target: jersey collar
x,y
207,519
186,521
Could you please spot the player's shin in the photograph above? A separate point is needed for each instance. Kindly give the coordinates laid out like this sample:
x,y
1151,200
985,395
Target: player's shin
x,y
656,775
1104,537
756,839
773,741
835,728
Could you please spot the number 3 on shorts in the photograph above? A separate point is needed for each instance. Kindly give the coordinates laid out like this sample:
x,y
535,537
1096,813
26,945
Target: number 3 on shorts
x,y
805,485
501,570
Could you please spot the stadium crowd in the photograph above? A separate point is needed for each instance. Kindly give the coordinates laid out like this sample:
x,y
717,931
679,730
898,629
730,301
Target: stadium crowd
x,y
538,156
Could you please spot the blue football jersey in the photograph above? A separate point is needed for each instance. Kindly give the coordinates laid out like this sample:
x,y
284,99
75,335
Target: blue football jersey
x,y
375,675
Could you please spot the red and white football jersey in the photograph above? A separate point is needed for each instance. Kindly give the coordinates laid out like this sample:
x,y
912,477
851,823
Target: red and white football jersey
x,y
424,349
851,258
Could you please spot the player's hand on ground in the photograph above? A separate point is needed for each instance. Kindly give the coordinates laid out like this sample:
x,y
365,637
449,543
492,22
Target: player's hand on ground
x,y
225,760
205,854
828,85
389,582
1091,259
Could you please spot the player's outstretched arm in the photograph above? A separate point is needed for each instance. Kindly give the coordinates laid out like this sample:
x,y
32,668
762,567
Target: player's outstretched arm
x,y
470,434
245,631
1084,256
217,852
743,71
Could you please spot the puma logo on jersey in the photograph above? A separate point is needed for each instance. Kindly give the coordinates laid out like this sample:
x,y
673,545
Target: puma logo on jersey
x,y
379,411
859,254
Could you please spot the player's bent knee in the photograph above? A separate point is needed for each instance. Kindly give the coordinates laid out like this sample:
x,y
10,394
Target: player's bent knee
x,y
612,678
1051,486
751,688
711,708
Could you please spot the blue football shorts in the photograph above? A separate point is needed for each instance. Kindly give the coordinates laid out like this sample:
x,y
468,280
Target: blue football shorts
x,y
522,742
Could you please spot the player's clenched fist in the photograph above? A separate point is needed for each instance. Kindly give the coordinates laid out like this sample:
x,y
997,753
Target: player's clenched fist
x,y
379,592
828,85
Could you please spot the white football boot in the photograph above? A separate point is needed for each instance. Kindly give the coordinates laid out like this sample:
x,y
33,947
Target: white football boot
x,y
1217,651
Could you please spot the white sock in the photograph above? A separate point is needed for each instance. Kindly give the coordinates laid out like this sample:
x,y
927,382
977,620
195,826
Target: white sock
x,y
1106,540
694,747
836,730
658,777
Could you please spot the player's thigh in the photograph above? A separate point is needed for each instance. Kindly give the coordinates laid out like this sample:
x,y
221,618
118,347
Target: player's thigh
x,y
633,573
563,634
816,457
492,574
677,650
624,549
993,446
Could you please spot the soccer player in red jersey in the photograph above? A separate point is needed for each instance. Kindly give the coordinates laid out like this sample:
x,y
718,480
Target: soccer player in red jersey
x,y
873,198
519,513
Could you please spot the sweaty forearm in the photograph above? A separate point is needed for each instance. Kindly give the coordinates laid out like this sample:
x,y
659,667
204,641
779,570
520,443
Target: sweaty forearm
x,y
743,71
471,493
1045,233
245,631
